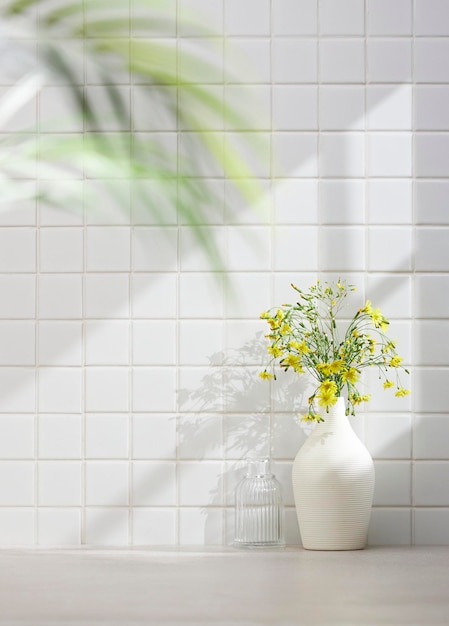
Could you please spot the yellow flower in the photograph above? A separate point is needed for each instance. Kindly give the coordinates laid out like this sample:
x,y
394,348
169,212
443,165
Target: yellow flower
x,y
302,347
336,366
328,386
326,398
366,398
402,392
367,308
395,361
350,375
265,375
285,328
324,368
388,384
377,317
293,360
275,351
265,315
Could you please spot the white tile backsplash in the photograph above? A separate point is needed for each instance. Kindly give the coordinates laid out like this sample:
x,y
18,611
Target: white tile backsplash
x,y
129,388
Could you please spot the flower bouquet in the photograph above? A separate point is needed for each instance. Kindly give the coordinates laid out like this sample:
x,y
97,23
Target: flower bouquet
x,y
305,337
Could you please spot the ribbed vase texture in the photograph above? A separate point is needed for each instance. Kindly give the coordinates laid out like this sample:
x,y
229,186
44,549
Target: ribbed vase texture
x,y
333,484
259,512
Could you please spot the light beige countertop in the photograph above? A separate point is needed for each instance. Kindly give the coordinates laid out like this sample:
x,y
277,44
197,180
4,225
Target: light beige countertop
x,y
224,586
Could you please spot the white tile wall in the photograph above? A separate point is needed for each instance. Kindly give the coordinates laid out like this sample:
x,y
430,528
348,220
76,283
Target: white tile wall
x,y
129,392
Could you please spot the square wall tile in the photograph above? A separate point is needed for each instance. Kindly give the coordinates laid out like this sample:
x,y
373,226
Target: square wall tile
x,y
17,249
60,343
59,527
194,257
389,60
107,342
342,155
287,437
431,527
107,389
162,101
432,155
432,252
388,437
60,296
296,201
108,249
389,154
430,435
305,53
17,436
390,527
106,436
154,249
107,527
246,434
61,249
250,106
393,484
201,343
390,18
295,155
342,60
194,389
251,19
154,527
200,437
17,527
17,483
430,201
342,249
429,390
252,57
295,248
392,294
389,201
163,193
60,390
107,483
431,296
431,107
399,243
431,18
17,390
200,526
60,193
429,60
431,483
200,483
342,202
194,13
107,202
208,290
346,17
154,295
294,17
107,296
18,301
154,483
295,107
429,348
59,437
247,295
57,111
154,436
153,389
154,342
59,483
18,342
389,107
342,107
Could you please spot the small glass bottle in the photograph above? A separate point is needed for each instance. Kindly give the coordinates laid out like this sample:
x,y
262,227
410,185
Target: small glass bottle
x,y
259,511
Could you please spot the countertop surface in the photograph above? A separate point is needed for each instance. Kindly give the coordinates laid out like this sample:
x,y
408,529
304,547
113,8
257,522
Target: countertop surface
x,y
224,586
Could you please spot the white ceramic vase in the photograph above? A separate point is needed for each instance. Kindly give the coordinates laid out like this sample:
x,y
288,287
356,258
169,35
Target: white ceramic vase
x,y
333,483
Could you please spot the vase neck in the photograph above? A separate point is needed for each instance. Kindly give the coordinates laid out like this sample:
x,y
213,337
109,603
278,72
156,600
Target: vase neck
x,y
336,414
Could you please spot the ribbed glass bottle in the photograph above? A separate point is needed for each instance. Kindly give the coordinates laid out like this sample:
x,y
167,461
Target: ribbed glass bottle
x,y
259,511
